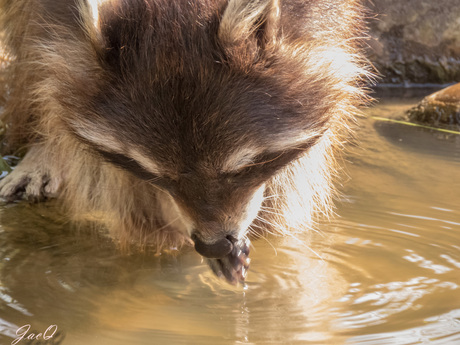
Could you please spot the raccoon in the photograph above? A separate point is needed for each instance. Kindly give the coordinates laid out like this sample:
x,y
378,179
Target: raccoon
x,y
201,122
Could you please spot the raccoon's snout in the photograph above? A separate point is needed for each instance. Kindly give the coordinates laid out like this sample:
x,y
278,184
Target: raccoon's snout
x,y
228,257
216,250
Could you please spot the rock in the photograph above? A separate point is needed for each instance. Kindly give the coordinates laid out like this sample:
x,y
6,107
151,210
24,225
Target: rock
x,y
438,109
415,41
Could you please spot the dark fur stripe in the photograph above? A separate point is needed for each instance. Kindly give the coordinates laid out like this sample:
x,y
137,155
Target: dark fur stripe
x,y
128,164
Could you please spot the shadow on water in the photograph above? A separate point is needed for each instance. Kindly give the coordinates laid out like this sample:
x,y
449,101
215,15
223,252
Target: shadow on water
x,y
421,140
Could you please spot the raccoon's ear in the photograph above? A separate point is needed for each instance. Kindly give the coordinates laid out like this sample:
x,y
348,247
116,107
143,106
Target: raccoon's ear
x,y
249,23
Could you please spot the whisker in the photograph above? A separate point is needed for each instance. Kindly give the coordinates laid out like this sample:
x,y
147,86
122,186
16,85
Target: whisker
x,y
252,232
314,252
270,208
271,245
264,238
266,221
172,221
265,230
271,196
271,212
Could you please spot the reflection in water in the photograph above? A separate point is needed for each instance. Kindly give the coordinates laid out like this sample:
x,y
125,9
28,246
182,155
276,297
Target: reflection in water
x,y
385,271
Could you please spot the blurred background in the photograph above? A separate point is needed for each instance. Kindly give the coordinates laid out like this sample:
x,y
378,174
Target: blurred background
x,y
415,41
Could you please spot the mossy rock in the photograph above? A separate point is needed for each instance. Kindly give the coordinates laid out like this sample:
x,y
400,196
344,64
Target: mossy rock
x,y
4,167
441,108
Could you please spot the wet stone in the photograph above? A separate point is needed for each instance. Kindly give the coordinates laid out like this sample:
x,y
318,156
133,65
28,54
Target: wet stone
x,y
438,109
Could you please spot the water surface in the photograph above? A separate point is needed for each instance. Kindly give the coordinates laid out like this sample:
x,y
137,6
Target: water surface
x,y
386,270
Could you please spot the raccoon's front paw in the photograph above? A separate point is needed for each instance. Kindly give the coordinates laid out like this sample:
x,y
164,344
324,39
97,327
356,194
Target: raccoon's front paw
x,y
32,185
234,266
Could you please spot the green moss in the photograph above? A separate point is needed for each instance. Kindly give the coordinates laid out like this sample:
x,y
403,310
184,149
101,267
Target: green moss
x,y
4,167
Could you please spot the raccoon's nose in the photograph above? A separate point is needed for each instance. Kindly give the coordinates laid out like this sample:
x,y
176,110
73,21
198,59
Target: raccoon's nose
x,y
216,250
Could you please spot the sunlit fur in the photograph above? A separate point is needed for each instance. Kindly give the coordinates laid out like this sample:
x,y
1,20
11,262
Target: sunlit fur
x,y
54,66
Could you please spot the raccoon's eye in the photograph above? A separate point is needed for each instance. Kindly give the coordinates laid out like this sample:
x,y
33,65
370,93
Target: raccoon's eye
x,y
268,163
128,164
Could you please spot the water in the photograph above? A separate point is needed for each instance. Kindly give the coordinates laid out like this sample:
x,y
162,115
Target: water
x,y
385,271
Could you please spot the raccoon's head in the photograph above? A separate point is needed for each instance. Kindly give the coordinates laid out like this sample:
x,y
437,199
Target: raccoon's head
x,y
208,101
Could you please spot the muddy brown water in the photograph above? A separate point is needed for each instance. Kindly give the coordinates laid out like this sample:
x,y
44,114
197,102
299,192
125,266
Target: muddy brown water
x,y
385,271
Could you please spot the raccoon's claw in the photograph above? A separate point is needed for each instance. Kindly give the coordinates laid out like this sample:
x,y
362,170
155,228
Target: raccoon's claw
x,y
234,266
32,186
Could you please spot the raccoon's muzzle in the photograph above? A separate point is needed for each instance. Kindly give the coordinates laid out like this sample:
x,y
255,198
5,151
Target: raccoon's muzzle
x,y
227,257
216,250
